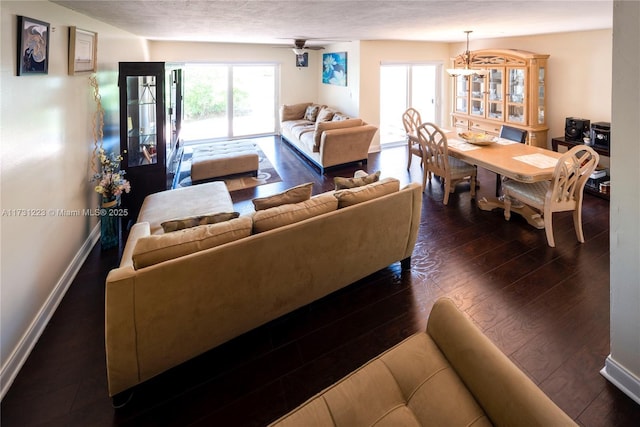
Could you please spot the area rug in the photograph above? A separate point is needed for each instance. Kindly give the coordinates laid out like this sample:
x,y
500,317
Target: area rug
x,y
267,174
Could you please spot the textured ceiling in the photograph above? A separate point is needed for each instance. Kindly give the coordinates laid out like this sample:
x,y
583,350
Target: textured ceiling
x,y
278,22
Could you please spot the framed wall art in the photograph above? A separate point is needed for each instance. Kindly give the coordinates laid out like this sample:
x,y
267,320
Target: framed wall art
x,y
83,49
334,68
302,60
33,46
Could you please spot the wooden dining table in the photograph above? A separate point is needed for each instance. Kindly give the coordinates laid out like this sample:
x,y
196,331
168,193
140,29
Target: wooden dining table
x,y
510,159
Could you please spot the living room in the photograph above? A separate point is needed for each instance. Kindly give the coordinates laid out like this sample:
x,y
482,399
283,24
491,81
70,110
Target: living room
x,y
57,130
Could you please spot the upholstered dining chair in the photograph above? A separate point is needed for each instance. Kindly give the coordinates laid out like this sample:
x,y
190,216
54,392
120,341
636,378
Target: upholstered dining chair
x,y
436,160
512,134
563,193
411,120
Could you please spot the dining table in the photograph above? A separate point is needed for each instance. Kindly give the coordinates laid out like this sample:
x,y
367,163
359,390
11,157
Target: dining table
x,y
512,160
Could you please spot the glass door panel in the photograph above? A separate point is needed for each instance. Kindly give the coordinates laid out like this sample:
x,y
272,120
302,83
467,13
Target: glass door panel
x,y
253,100
516,113
477,95
516,85
206,102
394,80
541,96
462,94
423,96
141,120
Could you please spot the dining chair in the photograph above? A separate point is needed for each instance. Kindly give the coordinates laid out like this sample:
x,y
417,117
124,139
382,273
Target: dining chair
x,y
436,160
563,193
411,120
512,134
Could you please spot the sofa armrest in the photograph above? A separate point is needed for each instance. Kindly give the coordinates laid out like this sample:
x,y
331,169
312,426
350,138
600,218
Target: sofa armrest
x,y
505,393
138,230
293,111
350,144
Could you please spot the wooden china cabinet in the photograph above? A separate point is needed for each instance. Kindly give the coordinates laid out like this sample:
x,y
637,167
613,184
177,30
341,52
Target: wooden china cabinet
x,y
150,118
511,91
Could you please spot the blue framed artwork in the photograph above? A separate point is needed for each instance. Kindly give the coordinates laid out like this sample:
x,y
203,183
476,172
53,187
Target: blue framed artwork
x,y
334,68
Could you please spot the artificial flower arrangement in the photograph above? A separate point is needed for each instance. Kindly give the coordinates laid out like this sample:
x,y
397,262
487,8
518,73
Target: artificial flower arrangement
x,y
111,182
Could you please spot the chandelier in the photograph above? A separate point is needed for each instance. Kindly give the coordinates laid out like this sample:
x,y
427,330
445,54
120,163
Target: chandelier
x,y
466,71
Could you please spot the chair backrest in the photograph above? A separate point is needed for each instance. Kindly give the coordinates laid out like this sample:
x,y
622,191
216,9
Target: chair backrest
x,y
435,148
411,120
570,176
513,134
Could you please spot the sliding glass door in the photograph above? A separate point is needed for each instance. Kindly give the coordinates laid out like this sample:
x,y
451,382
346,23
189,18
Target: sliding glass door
x,y
403,86
224,101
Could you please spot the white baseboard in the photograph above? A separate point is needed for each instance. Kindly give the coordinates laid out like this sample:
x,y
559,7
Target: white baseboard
x,y
628,383
19,356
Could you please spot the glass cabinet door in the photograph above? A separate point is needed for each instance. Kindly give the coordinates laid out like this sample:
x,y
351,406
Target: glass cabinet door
x,y
495,95
477,95
462,94
141,120
541,96
516,98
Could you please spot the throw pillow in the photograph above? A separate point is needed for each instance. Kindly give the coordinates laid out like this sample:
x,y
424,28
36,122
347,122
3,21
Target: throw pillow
x,y
279,216
357,181
338,117
311,113
179,224
296,194
325,115
353,196
157,248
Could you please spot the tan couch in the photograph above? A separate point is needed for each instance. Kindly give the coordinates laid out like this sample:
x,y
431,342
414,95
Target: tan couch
x,y
328,138
452,375
179,294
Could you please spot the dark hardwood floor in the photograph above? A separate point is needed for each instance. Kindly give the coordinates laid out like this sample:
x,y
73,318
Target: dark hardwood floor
x,y
546,308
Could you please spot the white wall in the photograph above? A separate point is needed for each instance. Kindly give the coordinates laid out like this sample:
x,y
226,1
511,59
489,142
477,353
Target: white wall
x,y
623,364
46,148
344,98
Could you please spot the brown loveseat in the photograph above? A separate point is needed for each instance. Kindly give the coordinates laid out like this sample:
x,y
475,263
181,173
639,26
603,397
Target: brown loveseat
x,y
325,136
452,375
179,294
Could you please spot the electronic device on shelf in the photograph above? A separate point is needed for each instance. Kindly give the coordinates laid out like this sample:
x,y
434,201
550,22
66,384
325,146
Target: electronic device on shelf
x,y
601,135
575,128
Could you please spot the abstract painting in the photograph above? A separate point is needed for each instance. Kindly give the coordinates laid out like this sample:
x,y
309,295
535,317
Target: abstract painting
x,y
33,46
334,68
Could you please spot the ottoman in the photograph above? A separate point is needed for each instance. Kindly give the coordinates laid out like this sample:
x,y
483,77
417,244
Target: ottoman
x,y
204,199
222,159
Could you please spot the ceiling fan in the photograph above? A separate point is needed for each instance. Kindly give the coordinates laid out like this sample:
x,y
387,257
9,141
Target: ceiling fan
x,y
300,46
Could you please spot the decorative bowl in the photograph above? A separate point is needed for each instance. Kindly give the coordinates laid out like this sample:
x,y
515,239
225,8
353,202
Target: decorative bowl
x,y
477,138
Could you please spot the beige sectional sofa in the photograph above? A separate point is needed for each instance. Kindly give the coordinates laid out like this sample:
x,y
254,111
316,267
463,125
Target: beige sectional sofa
x,y
451,375
325,136
178,294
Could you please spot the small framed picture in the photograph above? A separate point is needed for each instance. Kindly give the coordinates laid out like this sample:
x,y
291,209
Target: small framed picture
x,y
83,49
33,46
302,60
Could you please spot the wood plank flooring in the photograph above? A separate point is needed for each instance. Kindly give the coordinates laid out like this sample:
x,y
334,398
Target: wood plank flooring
x,y
546,308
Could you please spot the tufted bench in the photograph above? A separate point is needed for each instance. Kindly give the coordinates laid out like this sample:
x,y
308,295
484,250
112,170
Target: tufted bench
x,y
451,375
222,159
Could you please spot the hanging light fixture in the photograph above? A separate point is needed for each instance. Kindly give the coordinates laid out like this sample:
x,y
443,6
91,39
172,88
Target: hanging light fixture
x,y
466,71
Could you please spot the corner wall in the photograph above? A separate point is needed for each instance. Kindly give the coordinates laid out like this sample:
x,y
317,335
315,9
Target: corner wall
x,y
622,367
46,145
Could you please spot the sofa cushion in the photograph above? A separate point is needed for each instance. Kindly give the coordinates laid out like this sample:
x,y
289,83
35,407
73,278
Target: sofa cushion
x,y
182,223
155,249
296,194
325,114
357,195
311,113
357,181
279,216
293,112
323,126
